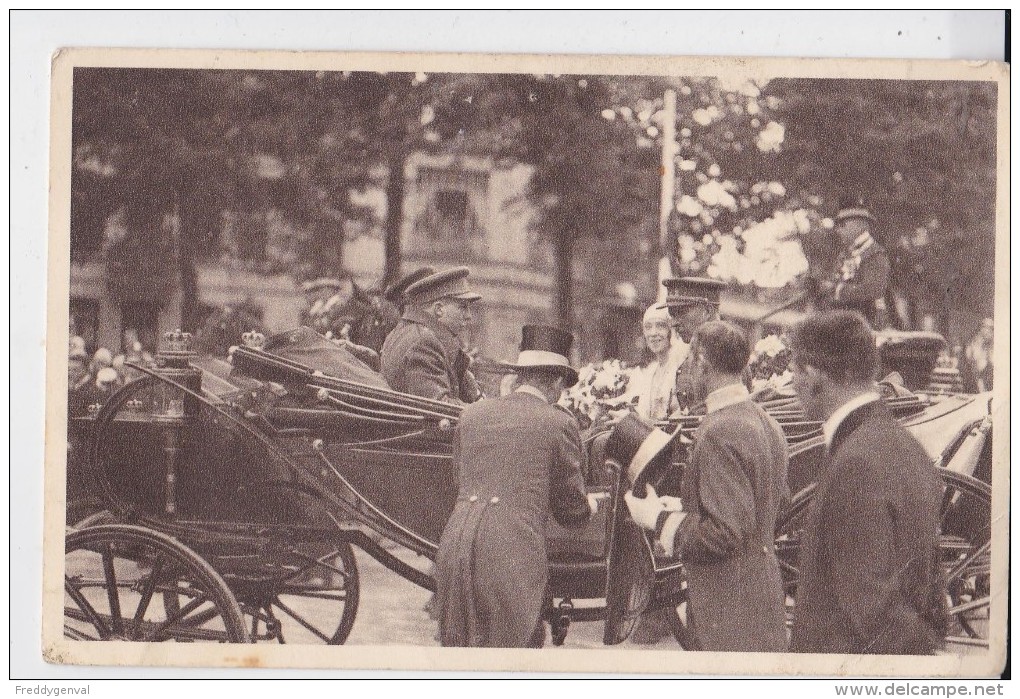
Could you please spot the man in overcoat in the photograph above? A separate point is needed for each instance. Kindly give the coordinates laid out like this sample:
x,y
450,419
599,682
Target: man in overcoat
x,y
518,459
691,302
424,355
731,494
870,574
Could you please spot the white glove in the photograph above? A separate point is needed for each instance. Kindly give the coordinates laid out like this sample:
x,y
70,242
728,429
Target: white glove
x,y
593,501
645,511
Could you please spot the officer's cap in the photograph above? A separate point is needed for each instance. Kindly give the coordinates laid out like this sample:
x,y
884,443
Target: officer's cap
x,y
451,283
689,291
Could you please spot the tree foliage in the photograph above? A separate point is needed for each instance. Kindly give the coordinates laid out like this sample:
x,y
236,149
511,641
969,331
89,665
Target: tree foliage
x,y
211,164
921,155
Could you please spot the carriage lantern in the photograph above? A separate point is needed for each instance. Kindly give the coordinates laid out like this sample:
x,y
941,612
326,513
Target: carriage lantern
x,y
173,361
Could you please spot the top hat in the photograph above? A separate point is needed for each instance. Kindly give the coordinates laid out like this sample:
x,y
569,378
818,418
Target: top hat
x,y
451,283
644,451
545,347
851,208
394,293
689,291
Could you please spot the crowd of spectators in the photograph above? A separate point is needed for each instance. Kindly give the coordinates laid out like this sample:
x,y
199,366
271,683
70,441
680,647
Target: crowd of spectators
x,y
92,379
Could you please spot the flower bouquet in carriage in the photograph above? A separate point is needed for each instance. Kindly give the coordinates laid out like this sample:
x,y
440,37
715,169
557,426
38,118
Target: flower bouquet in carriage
x,y
601,396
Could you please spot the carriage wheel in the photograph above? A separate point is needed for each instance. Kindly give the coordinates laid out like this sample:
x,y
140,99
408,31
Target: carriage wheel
x,y
676,615
315,603
964,547
115,573
966,557
95,519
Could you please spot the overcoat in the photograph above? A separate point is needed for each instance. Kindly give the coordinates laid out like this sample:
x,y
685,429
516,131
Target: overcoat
x,y
423,358
733,489
870,577
518,461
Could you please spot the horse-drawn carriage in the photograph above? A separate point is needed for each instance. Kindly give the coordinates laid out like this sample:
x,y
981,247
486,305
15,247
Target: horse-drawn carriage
x,y
236,491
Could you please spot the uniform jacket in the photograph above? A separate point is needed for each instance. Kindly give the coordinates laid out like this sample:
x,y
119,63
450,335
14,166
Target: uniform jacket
x,y
518,461
733,489
870,577
862,279
423,358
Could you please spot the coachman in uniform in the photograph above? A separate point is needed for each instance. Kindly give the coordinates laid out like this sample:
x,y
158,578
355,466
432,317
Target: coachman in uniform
x,y
424,355
860,279
519,460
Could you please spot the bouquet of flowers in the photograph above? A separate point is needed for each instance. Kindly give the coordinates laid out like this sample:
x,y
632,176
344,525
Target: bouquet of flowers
x,y
769,366
600,392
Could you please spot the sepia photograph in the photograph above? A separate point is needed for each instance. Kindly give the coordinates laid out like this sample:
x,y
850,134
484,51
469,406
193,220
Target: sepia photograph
x,y
626,364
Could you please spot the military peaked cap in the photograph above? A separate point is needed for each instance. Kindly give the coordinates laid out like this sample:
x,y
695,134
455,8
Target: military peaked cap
x,y
395,292
451,283
687,291
853,207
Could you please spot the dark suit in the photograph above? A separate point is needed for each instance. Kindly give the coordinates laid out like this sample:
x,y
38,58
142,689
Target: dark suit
x,y
423,358
870,578
733,490
518,459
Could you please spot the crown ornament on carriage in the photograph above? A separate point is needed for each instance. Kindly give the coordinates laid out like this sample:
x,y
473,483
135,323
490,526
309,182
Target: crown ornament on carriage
x,y
175,349
253,339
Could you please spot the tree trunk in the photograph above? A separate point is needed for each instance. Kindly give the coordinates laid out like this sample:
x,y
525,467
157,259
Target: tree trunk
x,y
564,246
394,217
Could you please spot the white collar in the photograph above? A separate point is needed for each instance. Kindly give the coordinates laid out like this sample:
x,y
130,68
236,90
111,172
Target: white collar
x,y
531,391
724,397
830,426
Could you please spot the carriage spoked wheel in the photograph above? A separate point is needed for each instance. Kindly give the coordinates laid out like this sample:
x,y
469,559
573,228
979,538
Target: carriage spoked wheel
x,y
128,583
964,547
312,599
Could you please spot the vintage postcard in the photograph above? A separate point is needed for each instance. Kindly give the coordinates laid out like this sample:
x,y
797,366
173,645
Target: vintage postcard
x,y
527,363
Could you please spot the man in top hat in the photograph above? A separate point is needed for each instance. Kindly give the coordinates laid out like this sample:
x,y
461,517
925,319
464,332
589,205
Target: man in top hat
x,y
731,493
519,460
692,302
424,354
871,578
860,278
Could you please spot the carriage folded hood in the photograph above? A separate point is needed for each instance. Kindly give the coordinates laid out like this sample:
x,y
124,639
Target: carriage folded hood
x,y
307,347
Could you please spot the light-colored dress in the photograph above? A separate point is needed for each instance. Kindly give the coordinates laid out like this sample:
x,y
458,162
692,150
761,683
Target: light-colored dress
x,y
655,384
